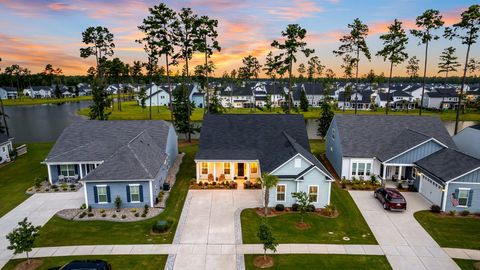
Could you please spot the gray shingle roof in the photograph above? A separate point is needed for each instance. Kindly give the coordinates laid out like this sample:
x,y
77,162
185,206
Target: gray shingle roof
x,y
369,135
271,138
448,164
4,138
128,149
405,140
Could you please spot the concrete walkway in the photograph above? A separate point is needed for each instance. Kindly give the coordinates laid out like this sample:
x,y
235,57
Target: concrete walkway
x,y
403,240
39,208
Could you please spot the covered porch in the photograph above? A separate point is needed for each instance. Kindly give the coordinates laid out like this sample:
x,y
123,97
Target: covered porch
x,y
394,174
59,173
218,171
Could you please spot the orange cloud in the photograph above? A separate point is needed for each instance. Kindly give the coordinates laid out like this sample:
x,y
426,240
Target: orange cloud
x,y
294,10
59,6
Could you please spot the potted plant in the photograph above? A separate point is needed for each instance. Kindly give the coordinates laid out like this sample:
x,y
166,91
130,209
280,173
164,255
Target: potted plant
x,y
118,203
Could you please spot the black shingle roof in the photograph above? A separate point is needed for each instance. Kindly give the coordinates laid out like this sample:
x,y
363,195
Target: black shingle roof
x,y
448,164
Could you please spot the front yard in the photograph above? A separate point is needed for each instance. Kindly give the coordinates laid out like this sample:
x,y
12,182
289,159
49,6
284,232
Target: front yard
x,y
467,264
327,261
17,176
453,232
132,262
323,230
61,232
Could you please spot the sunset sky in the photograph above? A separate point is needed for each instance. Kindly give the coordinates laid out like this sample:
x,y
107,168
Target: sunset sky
x,y
34,33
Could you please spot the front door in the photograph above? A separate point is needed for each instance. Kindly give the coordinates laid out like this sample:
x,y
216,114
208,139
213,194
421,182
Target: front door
x,y
241,169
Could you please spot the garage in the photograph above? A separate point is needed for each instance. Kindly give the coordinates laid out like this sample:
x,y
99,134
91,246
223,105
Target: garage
x,y
431,190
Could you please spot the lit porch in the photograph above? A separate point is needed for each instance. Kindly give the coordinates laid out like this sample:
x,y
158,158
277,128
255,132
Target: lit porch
x,y
218,171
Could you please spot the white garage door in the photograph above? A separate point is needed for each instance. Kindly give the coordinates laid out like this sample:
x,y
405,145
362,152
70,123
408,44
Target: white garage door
x,y
431,190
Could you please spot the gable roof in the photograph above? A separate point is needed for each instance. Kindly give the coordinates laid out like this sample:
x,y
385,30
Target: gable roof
x,y
369,135
270,138
448,164
405,140
128,149
4,138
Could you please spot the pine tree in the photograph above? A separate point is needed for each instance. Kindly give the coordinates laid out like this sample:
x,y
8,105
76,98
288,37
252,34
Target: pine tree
x,y
303,101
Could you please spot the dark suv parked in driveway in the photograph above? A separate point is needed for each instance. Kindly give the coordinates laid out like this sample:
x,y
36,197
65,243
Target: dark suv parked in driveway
x,y
85,265
390,198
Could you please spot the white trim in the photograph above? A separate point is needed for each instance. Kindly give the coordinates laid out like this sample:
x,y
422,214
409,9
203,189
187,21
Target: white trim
x,y
116,180
49,174
327,178
71,162
467,183
462,175
318,189
130,191
298,154
468,197
151,194
85,194
444,198
285,192
227,160
98,195
329,192
416,147
196,170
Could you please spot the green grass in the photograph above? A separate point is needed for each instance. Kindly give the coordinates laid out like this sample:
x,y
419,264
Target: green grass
x,y
327,261
36,101
61,232
466,264
132,111
131,262
453,232
17,176
349,223
317,147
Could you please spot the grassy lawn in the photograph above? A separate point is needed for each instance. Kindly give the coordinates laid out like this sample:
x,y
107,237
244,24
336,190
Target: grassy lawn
x,y
317,147
132,262
36,101
327,261
349,223
60,232
17,176
454,232
132,111
466,264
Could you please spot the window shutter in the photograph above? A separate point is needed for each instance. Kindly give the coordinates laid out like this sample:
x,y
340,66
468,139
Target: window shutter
x,y
140,190
58,169
128,193
109,199
456,193
95,194
470,198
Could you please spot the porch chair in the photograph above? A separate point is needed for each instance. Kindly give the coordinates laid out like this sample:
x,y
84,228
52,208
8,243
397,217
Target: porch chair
x,y
61,178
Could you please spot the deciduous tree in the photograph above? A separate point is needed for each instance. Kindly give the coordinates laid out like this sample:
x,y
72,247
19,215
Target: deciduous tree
x,y
23,238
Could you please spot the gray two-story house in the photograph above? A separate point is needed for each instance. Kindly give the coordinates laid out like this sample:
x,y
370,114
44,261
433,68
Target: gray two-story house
x,y
128,159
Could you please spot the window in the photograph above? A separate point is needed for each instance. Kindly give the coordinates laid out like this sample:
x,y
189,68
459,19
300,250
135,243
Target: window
x,y
102,194
204,168
253,167
463,195
298,163
67,170
361,168
226,168
331,149
134,193
3,149
313,193
369,169
281,193
354,168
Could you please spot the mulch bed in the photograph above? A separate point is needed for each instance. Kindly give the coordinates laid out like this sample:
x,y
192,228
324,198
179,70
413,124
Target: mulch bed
x,y
45,187
260,262
34,264
288,210
109,214
302,226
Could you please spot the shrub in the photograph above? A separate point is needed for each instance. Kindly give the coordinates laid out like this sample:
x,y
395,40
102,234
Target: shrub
x,y
295,207
373,179
162,226
89,208
145,208
64,186
55,190
83,206
72,186
118,203
214,183
435,209
91,214
54,186
329,210
102,211
114,215
222,177
258,185
465,213
192,182
137,214
279,207
452,212
311,208
37,182
133,210
104,215
124,216
144,214
210,177
82,215
47,189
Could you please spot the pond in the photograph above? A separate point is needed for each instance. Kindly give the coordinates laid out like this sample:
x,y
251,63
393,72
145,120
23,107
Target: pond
x,y
44,123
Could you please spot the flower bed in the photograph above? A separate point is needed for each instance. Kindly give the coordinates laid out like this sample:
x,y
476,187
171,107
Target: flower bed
x,y
212,185
251,185
46,187
122,215
360,184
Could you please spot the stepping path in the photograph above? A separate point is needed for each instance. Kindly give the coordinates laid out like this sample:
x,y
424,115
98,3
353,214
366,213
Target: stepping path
x,y
403,240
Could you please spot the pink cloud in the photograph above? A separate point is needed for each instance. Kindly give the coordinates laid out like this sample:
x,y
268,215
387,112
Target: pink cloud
x,y
294,10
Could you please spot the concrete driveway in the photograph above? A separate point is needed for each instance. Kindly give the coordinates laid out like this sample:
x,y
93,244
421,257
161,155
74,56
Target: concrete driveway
x,y
208,227
39,208
406,244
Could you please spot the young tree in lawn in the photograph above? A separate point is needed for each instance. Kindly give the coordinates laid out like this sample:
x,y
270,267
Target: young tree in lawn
x,y
303,202
292,44
413,67
136,72
429,21
355,43
99,43
266,237
301,70
142,96
206,42
326,114
271,69
303,100
268,181
467,31
23,237
394,42
100,103
448,62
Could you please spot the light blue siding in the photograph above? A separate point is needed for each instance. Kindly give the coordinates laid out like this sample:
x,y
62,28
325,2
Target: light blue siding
x,y
198,100
334,147
475,199
55,172
172,146
289,167
417,153
473,177
118,189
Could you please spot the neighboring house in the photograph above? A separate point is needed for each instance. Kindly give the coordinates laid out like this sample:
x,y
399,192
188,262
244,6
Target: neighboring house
x,y
468,141
198,99
314,93
7,92
38,92
240,147
450,179
361,100
473,95
436,100
128,159
399,100
6,147
84,89
236,97
157,95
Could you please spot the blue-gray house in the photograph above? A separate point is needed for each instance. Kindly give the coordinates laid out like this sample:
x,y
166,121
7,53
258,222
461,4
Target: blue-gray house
x,y
128,159
241,147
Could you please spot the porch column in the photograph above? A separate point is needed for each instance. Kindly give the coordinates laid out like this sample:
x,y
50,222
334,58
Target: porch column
x,y
81,170
49,174
232,170
384,174
196,170
399,173
248,170
214,171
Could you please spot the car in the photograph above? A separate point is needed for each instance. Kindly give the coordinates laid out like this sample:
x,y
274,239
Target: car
x,y
85,265
390,198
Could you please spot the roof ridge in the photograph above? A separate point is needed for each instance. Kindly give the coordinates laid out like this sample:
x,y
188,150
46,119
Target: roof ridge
x,y
138,159
418,132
